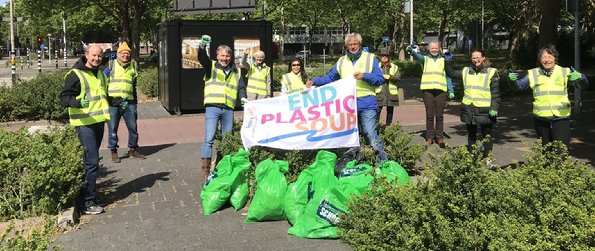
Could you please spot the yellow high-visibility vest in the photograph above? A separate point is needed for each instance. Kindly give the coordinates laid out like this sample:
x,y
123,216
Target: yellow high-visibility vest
x,y
550,94
477,87
293,83
392,86
121,80
364,64
257,80
94,90
219,90
433,76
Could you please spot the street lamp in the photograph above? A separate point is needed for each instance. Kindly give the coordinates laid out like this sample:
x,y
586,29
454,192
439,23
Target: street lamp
x,y
12,51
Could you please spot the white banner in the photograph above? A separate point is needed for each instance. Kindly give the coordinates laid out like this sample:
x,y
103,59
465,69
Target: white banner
x,y
323,117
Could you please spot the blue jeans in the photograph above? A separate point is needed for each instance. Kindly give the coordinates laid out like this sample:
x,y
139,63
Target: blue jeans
x,y
213,115
368,120
90,137
130,116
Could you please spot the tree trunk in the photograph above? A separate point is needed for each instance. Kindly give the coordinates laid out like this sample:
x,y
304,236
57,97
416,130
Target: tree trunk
x,y
548,26
139,10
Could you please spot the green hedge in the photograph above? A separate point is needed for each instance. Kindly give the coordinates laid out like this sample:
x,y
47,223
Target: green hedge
x,y
39,173
148,81
409,68
544,203
34,99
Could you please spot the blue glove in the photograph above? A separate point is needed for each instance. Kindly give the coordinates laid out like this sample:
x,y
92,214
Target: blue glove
x,y
493,113
244,101
205,40
575,75
408,48
513,76
84,103
447,56
451,95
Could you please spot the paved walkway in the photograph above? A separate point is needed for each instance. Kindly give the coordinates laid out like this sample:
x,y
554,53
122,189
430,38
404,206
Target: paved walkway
x,y
154,204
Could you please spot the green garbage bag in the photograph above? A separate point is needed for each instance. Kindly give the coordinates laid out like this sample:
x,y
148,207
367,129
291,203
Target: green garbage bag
x,y
239,197
322,214
302,190
393,170
355,179
271,185
226,177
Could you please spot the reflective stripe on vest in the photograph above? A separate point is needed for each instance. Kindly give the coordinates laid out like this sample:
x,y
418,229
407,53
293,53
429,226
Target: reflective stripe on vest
x,y
93,89
433,76
477,87
550,94
392,86
121,79
293,83
346,68
257,80
221,90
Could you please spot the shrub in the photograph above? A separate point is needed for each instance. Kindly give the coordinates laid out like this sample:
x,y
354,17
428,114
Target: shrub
x,y
39,173
398,147
545,203
148,81
37,238
34,99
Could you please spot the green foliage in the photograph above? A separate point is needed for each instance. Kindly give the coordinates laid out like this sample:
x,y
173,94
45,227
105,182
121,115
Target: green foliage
x,y
148,81
410,68
278,72
398,147
37,238
39,173
545,203
34,99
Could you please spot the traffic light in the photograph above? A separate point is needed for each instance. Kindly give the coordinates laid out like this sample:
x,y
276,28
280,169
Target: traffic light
x,y
39,41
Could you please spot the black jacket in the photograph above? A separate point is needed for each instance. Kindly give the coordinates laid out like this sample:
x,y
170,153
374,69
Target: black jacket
x,y
72,85
469,113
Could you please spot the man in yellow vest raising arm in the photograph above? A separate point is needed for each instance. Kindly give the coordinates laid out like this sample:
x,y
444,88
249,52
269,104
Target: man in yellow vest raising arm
x,y
259,76
122,98
551,106
85,95
223,86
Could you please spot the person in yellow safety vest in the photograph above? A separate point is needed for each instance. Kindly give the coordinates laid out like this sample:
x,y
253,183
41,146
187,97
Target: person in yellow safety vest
x,y
481,99
85,95
436,88
223,86
296,78
259,76
388,94
363,66
551,106
123,73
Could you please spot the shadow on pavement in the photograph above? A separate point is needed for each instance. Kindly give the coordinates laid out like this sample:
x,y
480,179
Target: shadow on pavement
x,y
113,194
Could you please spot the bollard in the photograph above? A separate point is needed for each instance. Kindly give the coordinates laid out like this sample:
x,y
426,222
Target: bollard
x,y
39,60
64,51
13,66
56,56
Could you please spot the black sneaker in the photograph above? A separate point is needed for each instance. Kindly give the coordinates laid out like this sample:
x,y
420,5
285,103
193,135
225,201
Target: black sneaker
x,y
92,208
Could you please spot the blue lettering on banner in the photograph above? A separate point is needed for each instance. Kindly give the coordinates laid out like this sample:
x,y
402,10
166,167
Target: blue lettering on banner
x,y
329,212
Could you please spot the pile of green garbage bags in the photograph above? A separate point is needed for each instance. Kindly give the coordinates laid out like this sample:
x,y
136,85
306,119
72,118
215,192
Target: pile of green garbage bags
x,y
313,204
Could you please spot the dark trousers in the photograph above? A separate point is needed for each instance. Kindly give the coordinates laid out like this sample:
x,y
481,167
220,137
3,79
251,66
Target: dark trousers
x,y
389,114
90,137
552,130
485,130
434,101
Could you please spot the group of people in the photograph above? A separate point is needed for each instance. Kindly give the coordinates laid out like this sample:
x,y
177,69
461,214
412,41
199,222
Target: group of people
x,y
94,98
376,80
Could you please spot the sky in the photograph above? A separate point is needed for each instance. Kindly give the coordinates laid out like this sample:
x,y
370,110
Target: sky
x,y
2,2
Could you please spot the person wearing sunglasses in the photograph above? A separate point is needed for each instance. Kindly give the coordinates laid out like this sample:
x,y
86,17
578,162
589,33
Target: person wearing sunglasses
x,y
295,78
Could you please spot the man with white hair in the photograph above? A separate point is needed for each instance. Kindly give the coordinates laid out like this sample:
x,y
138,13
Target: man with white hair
x,y
364,67
259,76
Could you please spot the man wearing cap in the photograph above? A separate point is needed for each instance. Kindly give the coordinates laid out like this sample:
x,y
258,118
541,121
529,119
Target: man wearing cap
x,y
122,98
387,94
